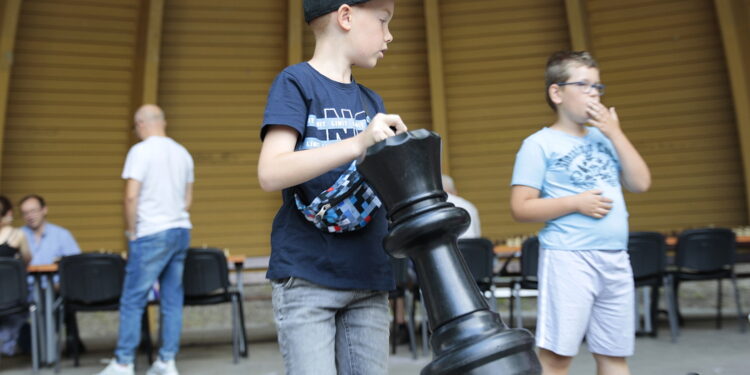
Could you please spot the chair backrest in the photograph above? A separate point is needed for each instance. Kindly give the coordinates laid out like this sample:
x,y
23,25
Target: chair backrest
x,y
648,254
13,288
400,268
530,258
479,255
205,272
91,278
706,249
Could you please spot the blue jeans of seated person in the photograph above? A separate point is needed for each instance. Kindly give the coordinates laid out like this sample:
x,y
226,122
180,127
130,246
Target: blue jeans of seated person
x,y
323,331
160,256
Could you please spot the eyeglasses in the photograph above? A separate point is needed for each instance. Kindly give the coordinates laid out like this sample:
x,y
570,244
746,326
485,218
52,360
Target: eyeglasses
x,y
585,86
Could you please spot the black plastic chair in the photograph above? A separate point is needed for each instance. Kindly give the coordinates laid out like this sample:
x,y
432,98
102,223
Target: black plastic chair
x,y
479,255
93,282
648,258
14,299
708,254
206,282
528,278
407,289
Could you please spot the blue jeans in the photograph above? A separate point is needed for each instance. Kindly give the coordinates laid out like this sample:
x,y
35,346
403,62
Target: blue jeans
x,y
160,256
323,331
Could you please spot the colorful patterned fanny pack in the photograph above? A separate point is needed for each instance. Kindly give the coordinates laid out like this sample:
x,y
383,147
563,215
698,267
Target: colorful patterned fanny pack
x,y
346,206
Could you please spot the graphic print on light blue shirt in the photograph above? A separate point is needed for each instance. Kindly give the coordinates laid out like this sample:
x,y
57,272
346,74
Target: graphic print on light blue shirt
x,y
559,165
589,164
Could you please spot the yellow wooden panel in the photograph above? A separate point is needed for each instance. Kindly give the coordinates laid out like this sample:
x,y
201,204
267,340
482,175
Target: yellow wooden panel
x,y
68,113
86,48
90,24
689,140
493,72
218,61
632,22
45,32
104,10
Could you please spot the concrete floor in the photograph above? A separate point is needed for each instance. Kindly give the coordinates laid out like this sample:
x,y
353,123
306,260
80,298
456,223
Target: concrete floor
x,y
701,349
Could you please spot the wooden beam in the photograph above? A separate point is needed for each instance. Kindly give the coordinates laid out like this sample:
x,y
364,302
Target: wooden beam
x,y
8,25
148,54
437,85
578,25
295,24
733,17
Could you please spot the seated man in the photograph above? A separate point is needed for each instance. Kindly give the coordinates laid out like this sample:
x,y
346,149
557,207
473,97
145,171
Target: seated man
x,y
49,242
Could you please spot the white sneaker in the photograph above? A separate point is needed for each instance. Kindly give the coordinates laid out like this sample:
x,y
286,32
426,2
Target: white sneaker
x,y
160,367
114,368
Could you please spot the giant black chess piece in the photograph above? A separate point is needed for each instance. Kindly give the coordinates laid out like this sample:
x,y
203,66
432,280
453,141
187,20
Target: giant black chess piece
x,y
467,337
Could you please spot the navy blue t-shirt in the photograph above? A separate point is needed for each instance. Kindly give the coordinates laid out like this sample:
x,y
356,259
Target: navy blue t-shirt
x,y
324,111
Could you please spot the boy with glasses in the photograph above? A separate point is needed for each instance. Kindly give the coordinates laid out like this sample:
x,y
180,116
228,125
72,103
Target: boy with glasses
x,y
569,175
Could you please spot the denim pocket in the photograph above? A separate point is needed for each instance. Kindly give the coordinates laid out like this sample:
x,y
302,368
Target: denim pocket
x,y
285,283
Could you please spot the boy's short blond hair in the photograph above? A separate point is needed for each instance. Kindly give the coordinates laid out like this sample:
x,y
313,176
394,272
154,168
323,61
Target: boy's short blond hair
x,y
558,70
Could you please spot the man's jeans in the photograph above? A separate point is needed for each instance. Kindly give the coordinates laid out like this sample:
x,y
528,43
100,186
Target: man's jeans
x,y
323,331
160,256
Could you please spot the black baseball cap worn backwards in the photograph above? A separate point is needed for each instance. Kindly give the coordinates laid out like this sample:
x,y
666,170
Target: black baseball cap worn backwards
x,y
316,8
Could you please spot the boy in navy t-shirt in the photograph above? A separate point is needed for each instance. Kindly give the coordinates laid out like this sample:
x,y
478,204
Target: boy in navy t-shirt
x,y
329,290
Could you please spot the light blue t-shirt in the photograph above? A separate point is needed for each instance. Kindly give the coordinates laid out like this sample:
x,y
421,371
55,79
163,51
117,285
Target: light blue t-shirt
x,y
559,165
56,242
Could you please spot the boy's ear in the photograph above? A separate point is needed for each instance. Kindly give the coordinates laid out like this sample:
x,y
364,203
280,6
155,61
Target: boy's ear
x,y
344,17
554,94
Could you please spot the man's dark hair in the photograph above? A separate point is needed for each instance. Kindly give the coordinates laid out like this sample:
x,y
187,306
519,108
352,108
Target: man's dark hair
x,y
5,205
557,69
38,198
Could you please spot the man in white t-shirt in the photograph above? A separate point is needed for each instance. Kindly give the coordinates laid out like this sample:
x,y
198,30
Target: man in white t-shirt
x,y
475,229
158,193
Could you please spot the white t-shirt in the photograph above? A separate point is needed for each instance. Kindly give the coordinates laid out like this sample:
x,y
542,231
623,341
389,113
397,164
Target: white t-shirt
x,y
475,228
164,168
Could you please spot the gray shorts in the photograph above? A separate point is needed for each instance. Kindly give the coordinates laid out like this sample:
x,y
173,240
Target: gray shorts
x,y
586,293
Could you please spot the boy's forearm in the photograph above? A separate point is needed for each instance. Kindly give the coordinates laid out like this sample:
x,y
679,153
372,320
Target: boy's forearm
x,y
283,170
636,176
542,209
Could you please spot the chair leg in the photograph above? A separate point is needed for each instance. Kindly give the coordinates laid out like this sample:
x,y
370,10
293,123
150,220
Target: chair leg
x,y
671,307
654,312
235,332
60,340
740,314
34,340
647,323
425,328
146,344
512,304
392,336
718,304
519,316
676,293
409,314
636,311
244,351
493,304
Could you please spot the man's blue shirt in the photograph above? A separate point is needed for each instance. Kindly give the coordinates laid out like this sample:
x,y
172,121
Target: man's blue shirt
x,y
55,242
